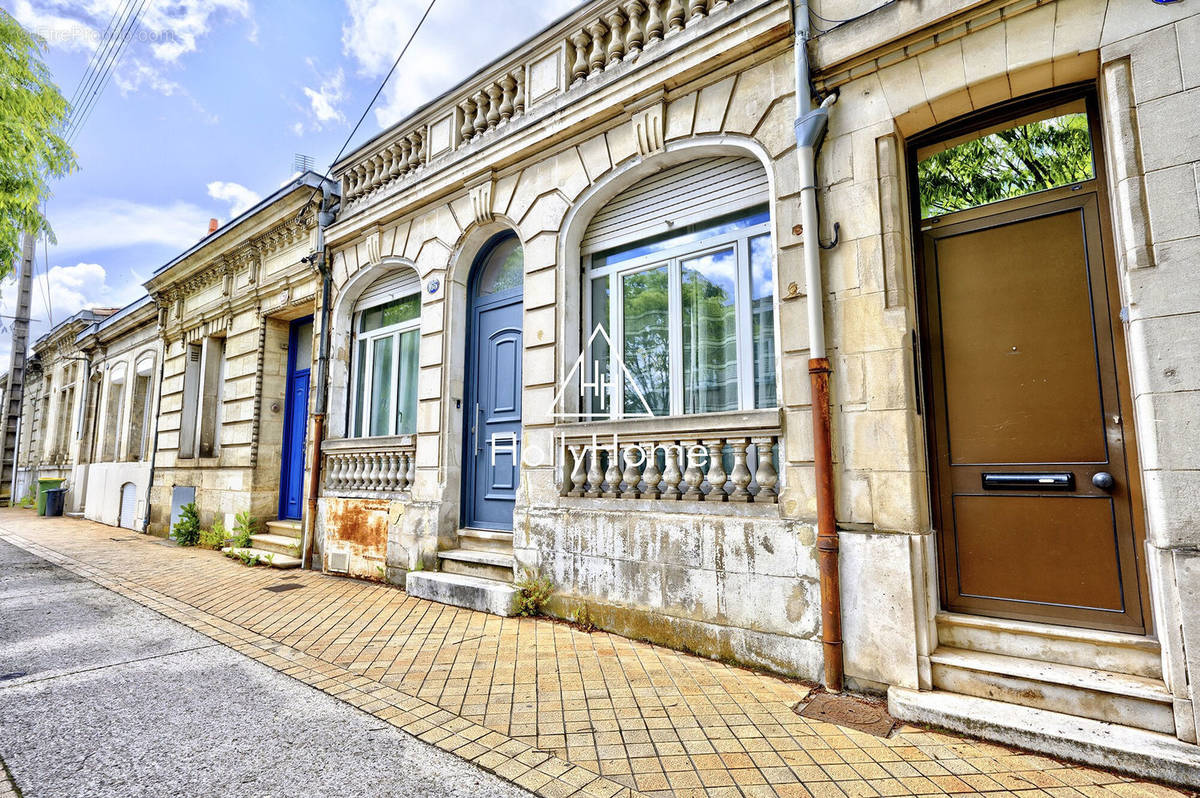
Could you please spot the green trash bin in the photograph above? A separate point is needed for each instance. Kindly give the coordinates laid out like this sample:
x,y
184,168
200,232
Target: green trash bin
x,y
43,486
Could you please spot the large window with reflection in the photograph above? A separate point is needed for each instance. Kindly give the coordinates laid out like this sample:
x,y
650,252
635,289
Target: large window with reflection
x,y
690,314
387,336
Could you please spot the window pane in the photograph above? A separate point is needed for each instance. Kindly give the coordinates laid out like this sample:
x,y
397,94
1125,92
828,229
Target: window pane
x,y
360,382
381,386
597,361
405,308
710,374
690,233
646,340
762,321
504,268
304,336
1032,156
406,393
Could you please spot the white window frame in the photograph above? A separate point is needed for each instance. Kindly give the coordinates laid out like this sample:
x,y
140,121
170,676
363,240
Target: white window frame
x,y
673,257
361,427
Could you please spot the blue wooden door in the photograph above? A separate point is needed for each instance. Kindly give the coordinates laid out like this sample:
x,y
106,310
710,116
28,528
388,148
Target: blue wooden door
x,y
295,419
493,412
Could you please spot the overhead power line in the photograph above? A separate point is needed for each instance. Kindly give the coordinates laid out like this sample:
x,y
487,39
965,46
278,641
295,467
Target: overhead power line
x,y
79,119
371,104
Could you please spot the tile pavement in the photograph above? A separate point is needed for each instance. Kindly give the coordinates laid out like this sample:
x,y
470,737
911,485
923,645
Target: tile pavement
x,y
555,710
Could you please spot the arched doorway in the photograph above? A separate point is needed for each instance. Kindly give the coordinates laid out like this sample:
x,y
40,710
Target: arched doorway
x,y
491,458
127,517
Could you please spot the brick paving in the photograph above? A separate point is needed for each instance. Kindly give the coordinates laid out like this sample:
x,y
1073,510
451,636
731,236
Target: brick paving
x,y
555,710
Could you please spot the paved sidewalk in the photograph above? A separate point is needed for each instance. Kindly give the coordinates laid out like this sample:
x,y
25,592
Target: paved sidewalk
x,y
555,710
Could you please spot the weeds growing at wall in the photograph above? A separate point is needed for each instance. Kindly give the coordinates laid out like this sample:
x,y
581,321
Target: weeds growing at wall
x,y
244,526
535,591
214,537
187,529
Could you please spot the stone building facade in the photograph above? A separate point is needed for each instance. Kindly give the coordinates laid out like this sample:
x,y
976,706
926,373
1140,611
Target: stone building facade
x,y
232,314
568,334
120,415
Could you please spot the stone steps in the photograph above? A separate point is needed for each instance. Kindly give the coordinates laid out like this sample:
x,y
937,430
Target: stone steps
x,y
462,590
1092,742
285,528
1083,692
1120,653
482,564
271,558
277,543
485,540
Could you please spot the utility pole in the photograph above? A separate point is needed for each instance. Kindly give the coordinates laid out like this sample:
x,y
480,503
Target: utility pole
x,y
16,371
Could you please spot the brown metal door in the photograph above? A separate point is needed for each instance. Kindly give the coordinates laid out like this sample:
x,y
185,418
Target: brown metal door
x,y
1032,486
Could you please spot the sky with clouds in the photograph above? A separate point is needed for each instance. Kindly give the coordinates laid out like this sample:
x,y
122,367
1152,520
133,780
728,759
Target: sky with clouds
x,y
208,105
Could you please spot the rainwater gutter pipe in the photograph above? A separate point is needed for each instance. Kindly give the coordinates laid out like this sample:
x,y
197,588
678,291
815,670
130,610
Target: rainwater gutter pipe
x,y
810,126
325,217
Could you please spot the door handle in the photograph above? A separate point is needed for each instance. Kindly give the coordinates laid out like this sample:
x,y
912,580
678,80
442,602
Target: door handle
x,y
1103,480
475,428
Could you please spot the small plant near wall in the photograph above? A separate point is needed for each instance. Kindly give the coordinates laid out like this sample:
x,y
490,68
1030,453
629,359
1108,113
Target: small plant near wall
x,y
244,526
535,591
187,529
248,558
30,498
214,537
581,618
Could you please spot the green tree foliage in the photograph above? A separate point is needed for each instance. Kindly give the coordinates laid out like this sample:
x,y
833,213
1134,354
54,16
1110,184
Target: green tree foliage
x,y
187,529
32,150
1009,163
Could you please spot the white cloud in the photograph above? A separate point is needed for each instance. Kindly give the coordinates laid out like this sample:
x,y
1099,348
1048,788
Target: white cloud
x,y
323,102
103,224
238,196
70,289
167,30
445,51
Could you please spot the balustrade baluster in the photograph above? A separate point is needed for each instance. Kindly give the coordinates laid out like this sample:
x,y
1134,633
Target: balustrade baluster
x,y
716,470
411,474
393,470
765,475
578,472
635,36
418,149
481,109
579,68
596,59
395,157
740,476
675,17
405,155
493,114
356,472
632,476
508,89
697,8
612,476
716,5
467,130
519,99
672,475
654,22
595,475
692,475
616,38
650,474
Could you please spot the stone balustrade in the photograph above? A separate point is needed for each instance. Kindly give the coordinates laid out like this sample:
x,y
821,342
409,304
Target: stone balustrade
x,y
719,457
562,60
369,466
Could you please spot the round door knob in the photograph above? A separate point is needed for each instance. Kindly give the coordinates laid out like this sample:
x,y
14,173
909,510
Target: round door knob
x,y
1103,480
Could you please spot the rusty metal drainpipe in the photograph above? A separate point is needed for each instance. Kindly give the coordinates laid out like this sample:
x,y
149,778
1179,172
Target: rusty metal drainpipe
x,y
811,123
325,217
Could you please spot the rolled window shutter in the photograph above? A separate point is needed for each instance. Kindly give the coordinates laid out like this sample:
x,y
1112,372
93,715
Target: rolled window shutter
x,y
398,284
681,195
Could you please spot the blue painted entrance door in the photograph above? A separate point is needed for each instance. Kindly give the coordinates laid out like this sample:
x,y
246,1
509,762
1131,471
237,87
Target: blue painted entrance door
x,y
295,419
492,415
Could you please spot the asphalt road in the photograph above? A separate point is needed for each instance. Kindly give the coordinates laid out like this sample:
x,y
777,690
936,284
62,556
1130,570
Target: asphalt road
x,y
100,696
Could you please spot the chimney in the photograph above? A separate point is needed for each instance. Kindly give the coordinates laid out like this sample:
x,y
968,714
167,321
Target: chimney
x,y
212,226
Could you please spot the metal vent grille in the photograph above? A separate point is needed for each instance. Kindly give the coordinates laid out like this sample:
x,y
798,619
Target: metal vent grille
x,y
337,562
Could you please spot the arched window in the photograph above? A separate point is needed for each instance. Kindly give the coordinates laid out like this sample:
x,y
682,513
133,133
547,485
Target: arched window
x,y
504,268
114,406
678,274
139,409
387,321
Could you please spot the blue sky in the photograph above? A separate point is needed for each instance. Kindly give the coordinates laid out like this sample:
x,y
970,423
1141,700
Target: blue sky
x,y
209,103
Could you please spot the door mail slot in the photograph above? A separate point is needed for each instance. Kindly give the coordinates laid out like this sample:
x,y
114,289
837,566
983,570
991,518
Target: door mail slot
x,y
1012,481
